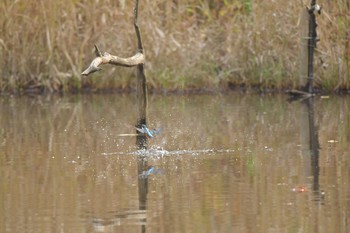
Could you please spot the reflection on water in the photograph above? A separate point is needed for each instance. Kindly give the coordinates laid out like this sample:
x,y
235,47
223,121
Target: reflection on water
x,y
233,163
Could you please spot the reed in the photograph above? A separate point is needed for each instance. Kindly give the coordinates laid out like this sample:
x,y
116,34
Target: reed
x,y
206,44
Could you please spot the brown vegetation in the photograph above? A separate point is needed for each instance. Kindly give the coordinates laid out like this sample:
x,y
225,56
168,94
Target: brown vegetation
x,y
45,45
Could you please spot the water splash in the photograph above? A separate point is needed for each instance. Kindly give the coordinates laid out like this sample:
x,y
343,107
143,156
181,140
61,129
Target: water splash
x,y
161,152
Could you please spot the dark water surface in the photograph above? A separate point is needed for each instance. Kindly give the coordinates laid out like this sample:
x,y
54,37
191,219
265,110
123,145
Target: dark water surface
x,y
233,163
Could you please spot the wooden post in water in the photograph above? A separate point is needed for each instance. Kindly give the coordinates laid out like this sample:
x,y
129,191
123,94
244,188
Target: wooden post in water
x,y
312,40
141,140
308,42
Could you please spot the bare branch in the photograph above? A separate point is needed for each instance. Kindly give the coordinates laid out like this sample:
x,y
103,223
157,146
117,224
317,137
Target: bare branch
x,y
97,51
93,66
106,58
136,26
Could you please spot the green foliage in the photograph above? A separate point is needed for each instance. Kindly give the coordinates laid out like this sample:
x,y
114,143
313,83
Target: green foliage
x,y
248,6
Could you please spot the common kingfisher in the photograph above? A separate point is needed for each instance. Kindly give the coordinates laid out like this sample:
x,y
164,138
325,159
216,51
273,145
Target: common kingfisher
x,y
150,133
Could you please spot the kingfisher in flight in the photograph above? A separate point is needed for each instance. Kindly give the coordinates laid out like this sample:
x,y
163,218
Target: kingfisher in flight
x,y
150,133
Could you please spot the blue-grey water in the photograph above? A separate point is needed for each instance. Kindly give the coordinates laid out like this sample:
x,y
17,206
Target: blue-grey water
x,y
222,163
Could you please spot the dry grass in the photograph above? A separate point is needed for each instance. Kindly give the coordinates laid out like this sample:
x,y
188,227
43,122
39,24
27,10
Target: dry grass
x,y
44,45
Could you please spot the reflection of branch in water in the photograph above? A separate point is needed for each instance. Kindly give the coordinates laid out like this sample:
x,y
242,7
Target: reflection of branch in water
x,y
314,147
142,164
74,114
314,144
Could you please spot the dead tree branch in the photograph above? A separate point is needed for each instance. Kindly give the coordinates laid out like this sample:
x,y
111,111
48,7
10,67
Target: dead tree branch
x,y
106,58
137,29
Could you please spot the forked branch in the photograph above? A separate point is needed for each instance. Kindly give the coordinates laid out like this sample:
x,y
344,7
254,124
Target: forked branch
x,y
106,58
136,26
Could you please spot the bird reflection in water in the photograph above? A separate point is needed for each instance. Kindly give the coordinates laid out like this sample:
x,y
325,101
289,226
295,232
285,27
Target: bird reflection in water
x,y
150,170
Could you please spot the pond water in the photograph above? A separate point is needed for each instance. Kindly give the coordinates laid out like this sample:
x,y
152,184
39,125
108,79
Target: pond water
x,y
222,163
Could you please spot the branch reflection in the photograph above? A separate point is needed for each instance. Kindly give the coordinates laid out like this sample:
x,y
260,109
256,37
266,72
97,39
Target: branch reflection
x,y
142,165
311,145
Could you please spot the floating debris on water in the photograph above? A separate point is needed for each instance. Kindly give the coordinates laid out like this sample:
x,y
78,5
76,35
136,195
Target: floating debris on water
x,y
299,189
332,141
